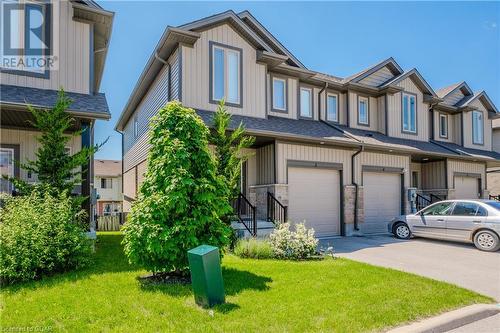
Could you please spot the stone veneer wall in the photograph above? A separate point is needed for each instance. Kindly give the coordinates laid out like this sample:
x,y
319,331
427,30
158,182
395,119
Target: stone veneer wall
x,y
258,197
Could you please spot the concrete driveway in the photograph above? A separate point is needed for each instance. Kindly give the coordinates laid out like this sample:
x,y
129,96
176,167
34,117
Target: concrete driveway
x,y
456,263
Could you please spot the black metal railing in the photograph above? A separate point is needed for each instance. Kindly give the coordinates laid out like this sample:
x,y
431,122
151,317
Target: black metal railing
x,y
495,197
422,202
276,211
435,198
245,213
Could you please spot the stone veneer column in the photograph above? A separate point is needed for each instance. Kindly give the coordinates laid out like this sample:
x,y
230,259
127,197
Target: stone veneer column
x,y
258,197
349,194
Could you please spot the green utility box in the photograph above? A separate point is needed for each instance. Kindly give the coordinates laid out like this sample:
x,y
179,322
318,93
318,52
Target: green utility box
x,y
206,275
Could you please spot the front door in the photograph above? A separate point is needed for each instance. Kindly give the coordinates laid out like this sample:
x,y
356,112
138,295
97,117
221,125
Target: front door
x,y
432,220
6,169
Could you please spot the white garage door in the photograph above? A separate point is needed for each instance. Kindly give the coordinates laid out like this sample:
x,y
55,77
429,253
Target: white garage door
x,y
466,187
382,196
314,197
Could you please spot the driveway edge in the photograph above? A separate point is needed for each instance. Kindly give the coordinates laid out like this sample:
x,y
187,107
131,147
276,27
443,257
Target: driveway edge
x,y
450,320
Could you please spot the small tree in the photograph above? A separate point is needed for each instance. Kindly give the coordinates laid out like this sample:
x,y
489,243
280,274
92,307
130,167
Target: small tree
x,y
181,199
54,165
229,147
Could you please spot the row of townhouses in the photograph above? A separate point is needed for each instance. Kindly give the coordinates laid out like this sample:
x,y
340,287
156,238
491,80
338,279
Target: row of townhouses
x,y
344,154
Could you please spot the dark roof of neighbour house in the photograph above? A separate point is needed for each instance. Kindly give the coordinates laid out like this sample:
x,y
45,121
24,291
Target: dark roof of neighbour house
x,y
109,168
93,106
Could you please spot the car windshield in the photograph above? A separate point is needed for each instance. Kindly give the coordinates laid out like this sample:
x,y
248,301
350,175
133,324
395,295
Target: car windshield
x,y
494,204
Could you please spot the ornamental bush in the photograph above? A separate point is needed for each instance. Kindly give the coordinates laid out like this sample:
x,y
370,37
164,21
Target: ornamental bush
x,y
253,248
181,199
288,244
40,234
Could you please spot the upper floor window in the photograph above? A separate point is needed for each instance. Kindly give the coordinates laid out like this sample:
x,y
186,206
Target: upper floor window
x,y
226,72
279,94
363,110
306,102
136,127
332,113
477,127
106,182
409,113
443,126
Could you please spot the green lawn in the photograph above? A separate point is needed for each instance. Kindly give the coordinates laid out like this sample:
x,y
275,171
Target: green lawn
x,y
262,296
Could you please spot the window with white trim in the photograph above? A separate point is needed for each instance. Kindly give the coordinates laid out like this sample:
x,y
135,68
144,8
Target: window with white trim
x,y
409,110
106,182
306,102
477,127
443,125
279,94
226,74
332,113
363,111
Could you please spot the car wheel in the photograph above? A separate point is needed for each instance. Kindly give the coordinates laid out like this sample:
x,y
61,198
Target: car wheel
x,y
402,231
486,240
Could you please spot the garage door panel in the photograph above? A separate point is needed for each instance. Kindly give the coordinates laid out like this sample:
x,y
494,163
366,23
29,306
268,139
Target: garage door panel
x,y
382,200
466,187
313,198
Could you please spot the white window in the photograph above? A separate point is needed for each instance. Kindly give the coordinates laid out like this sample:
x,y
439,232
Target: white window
x,y
136,127
332,113
106,182
443,125
226,77
306,102
363,111
6,169
279,94
477,127
409,113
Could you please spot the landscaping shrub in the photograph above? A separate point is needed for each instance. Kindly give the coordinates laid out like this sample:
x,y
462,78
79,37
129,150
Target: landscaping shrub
x,y
288,244
182,198
40,234
253,248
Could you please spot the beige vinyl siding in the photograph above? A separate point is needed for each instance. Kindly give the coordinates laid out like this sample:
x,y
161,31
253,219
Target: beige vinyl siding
x,y
291,99
494,182
265,165
395,113
457,128
452,133
496,140
433,175
454,98
300,152
468,128
138,152
416,167
175,68
195,73
455,166
381,114
113,193
29,145
372,111
73,54
382,160
155,98
378,78
251,167
129,188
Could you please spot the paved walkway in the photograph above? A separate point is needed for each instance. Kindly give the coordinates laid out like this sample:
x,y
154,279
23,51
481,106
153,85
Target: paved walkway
x,y
456,263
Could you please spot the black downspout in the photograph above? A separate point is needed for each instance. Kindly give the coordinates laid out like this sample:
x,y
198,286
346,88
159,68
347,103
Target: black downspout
x,y
353,180
319,101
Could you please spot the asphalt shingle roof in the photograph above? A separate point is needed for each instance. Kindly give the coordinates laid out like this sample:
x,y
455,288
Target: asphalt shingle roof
x,y
471,151
47,98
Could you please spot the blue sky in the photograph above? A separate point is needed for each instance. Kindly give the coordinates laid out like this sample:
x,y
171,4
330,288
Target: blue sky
x,y
447,42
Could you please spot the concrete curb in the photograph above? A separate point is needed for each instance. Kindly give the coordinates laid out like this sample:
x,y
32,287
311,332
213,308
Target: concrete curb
x,y
450,320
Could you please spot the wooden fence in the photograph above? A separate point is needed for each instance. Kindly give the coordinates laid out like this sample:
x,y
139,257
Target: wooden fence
x,y
109,223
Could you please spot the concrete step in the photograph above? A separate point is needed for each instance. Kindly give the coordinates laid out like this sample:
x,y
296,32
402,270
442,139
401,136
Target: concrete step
x,y
264,228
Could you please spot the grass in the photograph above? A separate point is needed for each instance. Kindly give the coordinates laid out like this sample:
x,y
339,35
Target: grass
x,y
262,296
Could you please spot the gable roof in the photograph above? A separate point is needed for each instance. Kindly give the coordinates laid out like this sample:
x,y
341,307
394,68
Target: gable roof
x,y
111,168
253,23
419,80
84,105
443,92
389,63
485,99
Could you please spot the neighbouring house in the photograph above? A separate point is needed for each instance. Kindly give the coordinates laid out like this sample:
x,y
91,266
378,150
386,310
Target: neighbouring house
x,y
108,183
339,153
493,175
77,35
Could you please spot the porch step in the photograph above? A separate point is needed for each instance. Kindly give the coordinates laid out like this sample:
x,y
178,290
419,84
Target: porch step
x,y
264,228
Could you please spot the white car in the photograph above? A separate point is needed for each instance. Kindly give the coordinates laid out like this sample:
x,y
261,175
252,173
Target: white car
x,y
474,221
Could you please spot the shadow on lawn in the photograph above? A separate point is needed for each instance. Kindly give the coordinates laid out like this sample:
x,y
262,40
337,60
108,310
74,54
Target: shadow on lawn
x,y
235,282
108,258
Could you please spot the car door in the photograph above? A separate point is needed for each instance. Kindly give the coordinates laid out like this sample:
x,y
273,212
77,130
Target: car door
x,y
431,221
463,220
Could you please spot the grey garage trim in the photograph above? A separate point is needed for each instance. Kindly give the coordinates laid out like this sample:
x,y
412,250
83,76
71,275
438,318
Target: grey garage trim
x,y
466,174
